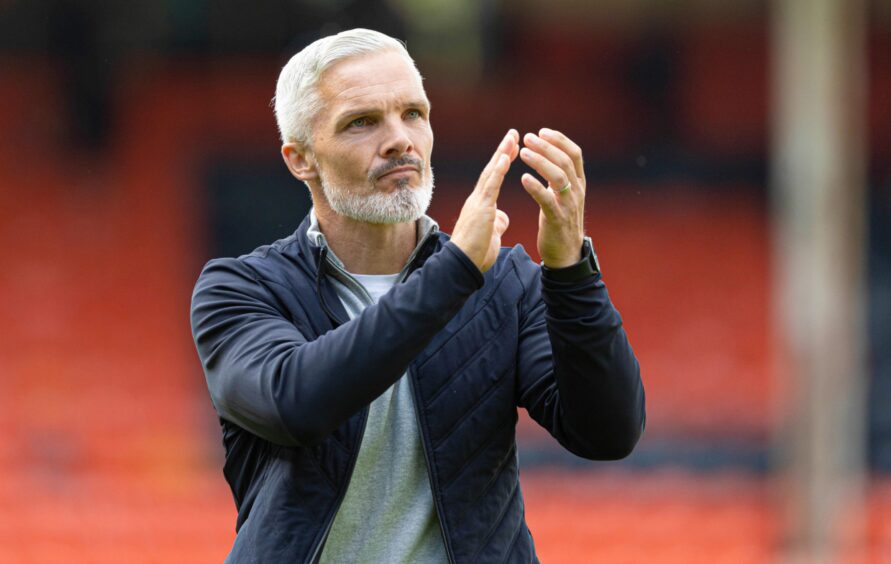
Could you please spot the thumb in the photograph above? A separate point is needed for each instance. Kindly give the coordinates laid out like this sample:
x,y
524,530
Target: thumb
x,y
502,221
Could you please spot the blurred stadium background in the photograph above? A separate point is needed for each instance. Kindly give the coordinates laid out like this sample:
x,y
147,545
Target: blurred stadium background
x,y
137,142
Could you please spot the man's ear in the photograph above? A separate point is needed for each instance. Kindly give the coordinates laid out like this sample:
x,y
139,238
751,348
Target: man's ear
x,y
299,161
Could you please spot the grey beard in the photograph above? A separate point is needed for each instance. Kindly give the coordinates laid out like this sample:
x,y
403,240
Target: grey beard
x,y
402,205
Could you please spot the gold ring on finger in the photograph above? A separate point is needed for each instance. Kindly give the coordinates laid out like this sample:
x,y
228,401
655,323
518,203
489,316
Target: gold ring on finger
x,y
565,188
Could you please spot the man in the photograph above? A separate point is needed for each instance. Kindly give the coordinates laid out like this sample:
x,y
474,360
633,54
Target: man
x,y
368,368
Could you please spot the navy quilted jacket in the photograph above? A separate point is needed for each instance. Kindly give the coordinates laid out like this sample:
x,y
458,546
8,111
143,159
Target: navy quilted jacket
x,y
291,380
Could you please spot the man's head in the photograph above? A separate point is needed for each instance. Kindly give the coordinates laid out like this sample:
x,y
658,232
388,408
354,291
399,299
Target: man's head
x,y
354,121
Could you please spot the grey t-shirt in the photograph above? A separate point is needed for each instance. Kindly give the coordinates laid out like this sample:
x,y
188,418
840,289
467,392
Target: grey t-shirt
x,y
388,513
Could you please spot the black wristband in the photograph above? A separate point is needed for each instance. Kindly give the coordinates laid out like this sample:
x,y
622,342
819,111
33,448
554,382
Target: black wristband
x,y
586,267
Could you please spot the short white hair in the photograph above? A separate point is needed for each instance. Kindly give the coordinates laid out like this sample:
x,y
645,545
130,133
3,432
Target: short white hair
x,y
297,100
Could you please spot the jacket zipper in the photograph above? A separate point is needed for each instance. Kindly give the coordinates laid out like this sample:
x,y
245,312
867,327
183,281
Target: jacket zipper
x,y
439,511
347,279
410,267
324,260
317,551
359,289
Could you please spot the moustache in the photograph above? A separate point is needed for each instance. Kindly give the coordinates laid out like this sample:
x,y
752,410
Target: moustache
x,y
395,163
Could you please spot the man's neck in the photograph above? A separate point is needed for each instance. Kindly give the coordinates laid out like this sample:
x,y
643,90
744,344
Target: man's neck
x,y
367,248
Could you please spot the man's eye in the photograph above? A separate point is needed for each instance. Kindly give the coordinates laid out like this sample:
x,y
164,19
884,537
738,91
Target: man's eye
x,y
359,122
412,114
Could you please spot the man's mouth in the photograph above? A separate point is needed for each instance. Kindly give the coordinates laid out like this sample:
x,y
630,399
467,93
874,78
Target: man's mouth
x,y
399,169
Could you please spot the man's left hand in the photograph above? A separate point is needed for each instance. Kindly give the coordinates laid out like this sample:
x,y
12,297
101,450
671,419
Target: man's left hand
x,y
561,225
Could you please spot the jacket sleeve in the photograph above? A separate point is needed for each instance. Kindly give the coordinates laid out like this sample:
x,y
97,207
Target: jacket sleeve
x,y
578,376
268,378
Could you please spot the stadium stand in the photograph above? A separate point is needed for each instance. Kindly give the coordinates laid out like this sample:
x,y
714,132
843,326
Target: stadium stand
x,y
109,450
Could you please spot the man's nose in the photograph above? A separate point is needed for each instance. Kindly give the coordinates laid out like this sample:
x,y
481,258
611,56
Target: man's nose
x,y
397,141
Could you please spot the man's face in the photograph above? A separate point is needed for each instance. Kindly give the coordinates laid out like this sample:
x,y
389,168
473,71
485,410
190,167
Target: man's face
x,y
372,140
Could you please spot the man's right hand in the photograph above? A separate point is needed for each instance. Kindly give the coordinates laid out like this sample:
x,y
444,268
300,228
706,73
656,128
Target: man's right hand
x,y
480,226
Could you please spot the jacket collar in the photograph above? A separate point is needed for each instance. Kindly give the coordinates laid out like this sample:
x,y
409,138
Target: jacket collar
x,y
308,250
426,226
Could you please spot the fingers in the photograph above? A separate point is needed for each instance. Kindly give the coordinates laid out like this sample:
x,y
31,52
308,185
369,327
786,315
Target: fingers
x,y
493,175
502,221
491,187
508,146
561,169
566,145
546,199
547,160
515,135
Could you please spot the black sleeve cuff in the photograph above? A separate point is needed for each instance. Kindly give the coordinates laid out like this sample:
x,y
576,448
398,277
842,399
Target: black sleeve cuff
x,y
584,268
466,262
